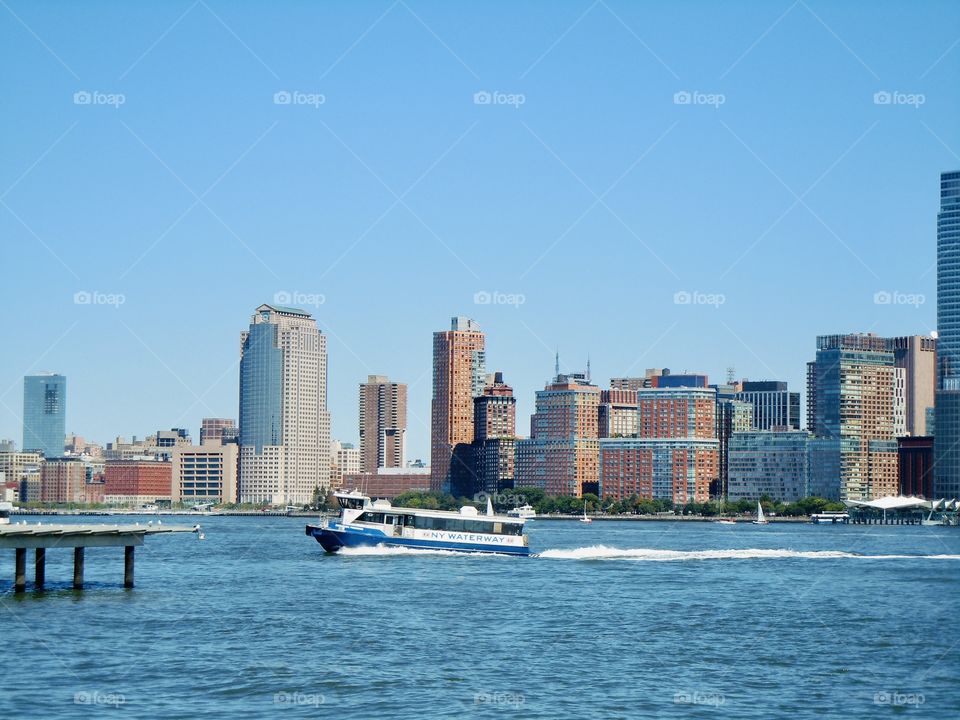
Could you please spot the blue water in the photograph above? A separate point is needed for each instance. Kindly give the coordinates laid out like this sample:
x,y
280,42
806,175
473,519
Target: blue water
x,y
614,619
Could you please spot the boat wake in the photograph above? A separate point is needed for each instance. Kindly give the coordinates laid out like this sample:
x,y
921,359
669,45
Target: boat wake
x,y
602,552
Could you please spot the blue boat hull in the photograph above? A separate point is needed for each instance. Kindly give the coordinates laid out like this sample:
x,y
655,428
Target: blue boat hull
x,y
332,539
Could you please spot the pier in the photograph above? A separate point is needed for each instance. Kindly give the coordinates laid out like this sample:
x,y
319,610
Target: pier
x,y
41,538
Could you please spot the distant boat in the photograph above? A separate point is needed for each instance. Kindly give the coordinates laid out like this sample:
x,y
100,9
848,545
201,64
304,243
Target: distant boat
x,y
724,520
524,511
585,519
761,520
5,509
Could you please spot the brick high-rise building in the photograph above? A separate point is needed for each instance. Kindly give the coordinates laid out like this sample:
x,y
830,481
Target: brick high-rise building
x,y
459,375
135,482
562,455
495,426
382,423
284,423
676,454
63,480
617,413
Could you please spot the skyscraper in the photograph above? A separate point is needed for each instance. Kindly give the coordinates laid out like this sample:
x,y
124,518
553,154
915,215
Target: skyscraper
x,y
45,414
495,424
855,385
774,407
284,423
562,455
916,354
383,423
946,443
459,375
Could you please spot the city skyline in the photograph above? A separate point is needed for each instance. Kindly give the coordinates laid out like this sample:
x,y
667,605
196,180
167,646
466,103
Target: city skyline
x,y
815,187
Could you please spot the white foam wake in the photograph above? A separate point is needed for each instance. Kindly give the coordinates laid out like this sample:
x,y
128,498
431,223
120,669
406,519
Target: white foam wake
x,y
602,552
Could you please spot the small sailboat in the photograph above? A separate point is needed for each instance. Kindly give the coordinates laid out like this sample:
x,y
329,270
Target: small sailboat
x,y
761,520
724,520
585,519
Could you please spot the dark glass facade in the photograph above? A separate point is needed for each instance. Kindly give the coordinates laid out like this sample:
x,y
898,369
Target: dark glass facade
x,y
947,407
45,414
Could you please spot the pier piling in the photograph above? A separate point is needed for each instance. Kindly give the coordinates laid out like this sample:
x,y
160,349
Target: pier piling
x,y
40,568
20,579
128,566
78,568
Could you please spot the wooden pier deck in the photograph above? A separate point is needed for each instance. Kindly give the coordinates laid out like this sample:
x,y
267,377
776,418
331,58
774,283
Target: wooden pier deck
x,y
42,537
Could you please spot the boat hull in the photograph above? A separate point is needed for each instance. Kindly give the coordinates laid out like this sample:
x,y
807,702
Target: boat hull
x,y
333,538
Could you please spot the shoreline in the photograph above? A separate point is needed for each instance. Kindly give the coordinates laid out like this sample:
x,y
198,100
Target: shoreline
x,y
302,514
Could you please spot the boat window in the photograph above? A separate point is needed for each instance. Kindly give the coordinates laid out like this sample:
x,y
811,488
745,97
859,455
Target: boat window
x,y
371,517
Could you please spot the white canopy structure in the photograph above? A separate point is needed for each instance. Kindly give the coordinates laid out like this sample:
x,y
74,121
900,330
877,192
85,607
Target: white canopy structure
x,y
893,502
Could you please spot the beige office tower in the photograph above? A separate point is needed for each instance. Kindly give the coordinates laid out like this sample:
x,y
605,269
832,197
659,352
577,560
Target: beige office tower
x,y
459,375
284,423
383,423
917,355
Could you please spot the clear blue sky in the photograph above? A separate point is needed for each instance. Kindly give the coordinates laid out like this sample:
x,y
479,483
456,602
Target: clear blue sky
x,y
597,199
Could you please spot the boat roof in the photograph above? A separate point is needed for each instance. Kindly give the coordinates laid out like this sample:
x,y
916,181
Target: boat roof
x,y
384,505
443,513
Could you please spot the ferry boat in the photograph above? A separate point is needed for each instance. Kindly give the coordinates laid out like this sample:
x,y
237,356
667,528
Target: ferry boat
x,y
830,518
363,522
524,511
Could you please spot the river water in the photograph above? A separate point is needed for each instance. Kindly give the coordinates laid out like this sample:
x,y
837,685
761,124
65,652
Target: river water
x,y
613,619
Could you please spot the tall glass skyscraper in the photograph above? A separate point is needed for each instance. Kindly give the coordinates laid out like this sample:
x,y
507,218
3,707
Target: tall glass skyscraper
x,y
947,409
45,413
284,423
